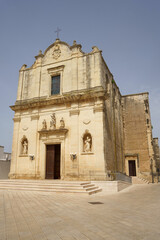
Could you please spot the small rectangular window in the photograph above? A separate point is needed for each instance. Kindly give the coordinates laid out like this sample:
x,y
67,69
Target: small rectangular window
x,y
55,85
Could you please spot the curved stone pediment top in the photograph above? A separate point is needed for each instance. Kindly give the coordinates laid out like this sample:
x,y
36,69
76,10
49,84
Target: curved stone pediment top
x,y
60,50
57,51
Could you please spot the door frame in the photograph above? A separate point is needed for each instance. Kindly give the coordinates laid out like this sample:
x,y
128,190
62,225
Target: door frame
x,y
51,137
54,160
129,161
131,157
61,157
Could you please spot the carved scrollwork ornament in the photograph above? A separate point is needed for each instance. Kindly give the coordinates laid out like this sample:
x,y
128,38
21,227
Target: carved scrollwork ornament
x,y
56,52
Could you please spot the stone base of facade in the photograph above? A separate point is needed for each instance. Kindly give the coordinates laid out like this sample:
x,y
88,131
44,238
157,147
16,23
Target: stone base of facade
x,y
90,176
97,176
24,176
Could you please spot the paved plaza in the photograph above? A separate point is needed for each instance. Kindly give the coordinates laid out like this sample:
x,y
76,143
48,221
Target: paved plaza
x,y
133,214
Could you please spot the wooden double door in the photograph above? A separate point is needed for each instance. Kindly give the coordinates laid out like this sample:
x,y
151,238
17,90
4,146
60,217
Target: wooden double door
x,y
53,156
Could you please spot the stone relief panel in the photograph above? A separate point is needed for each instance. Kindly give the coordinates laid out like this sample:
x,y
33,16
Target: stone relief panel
x,y
56,52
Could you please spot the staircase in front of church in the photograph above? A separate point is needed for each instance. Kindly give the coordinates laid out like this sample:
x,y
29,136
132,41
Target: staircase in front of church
x,y
139,180
57,186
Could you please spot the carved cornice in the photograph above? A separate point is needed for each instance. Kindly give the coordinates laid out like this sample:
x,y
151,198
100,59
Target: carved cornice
x,y
54,131
131,155
73,96
17,119
55,69
60,133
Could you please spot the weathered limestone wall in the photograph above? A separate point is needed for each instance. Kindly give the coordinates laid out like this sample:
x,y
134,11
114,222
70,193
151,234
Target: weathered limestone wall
x,y
113,124
90,102
137,131
77,71
79,118
156,153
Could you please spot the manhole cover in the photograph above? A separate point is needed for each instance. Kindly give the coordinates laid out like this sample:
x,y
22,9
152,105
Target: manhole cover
x,y
95,202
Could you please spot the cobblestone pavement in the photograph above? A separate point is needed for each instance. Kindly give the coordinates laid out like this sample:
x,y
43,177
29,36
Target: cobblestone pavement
x,y
133,214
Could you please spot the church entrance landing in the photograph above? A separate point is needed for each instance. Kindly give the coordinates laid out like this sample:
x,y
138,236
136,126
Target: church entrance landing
x,y
53,157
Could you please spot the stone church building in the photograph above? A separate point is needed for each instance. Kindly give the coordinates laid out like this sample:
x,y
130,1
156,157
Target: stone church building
x,y
72,123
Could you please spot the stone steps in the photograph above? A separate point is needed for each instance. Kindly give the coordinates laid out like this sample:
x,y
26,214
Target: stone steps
x,y
49,186
138,180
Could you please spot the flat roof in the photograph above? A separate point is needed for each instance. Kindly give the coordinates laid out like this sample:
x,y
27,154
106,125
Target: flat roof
x,y
134,94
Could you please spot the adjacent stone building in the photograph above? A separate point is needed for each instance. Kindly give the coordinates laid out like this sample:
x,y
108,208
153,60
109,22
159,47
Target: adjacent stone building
x,y
156,154
71,121
4,156
5,159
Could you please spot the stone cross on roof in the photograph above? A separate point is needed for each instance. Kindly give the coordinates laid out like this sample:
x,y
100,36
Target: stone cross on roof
x,y
57,31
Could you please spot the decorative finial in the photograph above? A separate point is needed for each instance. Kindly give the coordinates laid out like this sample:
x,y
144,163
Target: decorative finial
x,y
57,31
40,52
74,42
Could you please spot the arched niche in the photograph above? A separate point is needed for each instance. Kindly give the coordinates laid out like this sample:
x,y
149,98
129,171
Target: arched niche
x,y
24,146
87,142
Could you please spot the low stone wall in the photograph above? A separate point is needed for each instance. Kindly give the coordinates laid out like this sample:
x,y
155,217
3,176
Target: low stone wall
x,y
122,177
4,169
111,186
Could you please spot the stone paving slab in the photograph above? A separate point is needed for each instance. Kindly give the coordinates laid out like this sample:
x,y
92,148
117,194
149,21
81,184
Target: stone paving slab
x,y
133,214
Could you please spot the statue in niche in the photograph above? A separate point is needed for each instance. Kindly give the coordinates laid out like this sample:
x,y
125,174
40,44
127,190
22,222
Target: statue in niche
x,y
44,125
53,121
62,124
25,147
87,143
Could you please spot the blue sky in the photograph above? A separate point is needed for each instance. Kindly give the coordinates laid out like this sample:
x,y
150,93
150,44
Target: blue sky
x,y
127,31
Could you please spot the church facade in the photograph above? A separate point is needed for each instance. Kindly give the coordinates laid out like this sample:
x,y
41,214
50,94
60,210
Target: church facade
x,y
72,123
